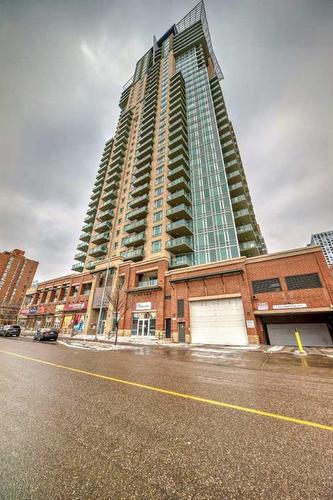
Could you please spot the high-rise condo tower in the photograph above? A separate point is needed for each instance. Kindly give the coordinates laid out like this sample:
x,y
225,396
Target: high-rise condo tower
x,y
171,181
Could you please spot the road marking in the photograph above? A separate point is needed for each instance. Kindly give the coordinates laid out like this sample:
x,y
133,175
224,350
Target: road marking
x,y
213,402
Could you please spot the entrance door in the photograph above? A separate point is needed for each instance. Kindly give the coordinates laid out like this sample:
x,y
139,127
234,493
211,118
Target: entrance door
x,y
181,332
168,328
143,327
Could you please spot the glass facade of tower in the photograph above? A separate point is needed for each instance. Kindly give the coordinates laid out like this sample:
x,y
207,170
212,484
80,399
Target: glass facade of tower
x,y
171,181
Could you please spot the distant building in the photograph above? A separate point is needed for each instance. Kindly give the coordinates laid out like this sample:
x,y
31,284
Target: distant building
x,y
16,275
325,240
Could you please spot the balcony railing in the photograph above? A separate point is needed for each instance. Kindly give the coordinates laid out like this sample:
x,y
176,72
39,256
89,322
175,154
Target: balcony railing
x,y
139,201
83,246
181,171
85,237
181,261
179,228
179,212
181,196
81,256
178,184
77,267
106,215
101,238
138,214
180,245
140,190
137,226
141,180
134,240
147,283
136,254
97,251
87,228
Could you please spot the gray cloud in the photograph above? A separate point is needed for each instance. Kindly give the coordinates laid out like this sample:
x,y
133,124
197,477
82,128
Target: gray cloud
x,y
63,65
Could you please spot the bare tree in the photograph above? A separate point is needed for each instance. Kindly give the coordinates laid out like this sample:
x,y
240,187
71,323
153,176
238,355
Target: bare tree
x,y
116,296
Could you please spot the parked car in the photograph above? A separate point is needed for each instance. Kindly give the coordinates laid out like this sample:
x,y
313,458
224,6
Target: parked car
x,y
10,330
46,334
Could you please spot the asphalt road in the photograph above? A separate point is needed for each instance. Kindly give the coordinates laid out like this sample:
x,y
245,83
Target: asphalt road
x,y
71,435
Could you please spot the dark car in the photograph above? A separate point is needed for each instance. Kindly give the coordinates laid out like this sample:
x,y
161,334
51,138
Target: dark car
x,y
46,334
10,330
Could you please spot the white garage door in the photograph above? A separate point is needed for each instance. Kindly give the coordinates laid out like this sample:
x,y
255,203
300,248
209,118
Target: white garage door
x,y
312,334
218,321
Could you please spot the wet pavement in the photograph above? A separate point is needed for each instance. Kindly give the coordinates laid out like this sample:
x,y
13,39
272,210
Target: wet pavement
x,y
67,434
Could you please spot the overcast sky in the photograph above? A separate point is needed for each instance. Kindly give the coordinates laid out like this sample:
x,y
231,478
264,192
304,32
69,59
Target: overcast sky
x,y
63,64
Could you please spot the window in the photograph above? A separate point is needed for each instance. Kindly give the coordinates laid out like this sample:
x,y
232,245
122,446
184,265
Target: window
x,y
160,179
158,203
159,170
86,287
302,281
263,286
119,221
157,230
158,191
180,308
158,216
156,246
115,244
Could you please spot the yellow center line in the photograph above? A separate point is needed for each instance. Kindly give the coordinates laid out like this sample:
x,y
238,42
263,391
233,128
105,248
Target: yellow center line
x,y
221,404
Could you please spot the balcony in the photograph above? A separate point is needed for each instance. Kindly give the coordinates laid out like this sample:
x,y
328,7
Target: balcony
x,y
90,218
242,216
146,153
178,114
180,139
181,129
230,154
106,215
179,228
140,190
107,205
100,176
234,176
180,245
236,189
144,159
141,180
249,249
138,214
181,261
83,247
85,237
139,202
97,186
181,159
146,141
136,226
178,156
93,204
178,197
147,283
179,184
102,227
77,267
135,255
239,202
114,177
147,128
98,251
87,228
144,169
179,123
177,107
81,256
94,197
101,238
134,240
245,232
179,212
178,172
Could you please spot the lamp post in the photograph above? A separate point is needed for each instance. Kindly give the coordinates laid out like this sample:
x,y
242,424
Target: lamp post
x,y
99,320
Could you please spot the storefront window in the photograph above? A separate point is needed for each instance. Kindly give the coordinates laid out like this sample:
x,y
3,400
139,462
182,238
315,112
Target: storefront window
x,y
143,324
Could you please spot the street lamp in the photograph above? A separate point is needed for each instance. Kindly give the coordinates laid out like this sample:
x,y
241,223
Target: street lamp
x,y
99,320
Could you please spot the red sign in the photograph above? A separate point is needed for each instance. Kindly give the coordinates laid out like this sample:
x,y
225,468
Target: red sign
x,y
25,311
76,306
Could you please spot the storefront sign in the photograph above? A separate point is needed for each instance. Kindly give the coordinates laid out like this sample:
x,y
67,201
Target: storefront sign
x,y
32,310
250,323
262,306
143,306
75,307
59,307
289,306
41,310
24,311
